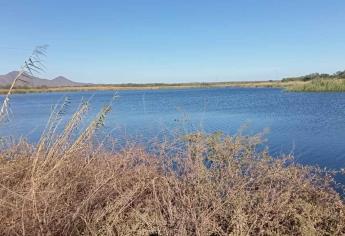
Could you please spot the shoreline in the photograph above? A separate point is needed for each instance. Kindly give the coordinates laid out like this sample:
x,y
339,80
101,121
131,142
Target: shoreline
x,y
324,85
259,84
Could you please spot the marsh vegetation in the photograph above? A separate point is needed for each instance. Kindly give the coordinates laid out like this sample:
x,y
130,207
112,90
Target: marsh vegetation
x,y
315,85
71,182
198,185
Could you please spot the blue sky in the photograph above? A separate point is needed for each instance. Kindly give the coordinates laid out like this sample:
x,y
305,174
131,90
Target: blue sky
x,y
175,41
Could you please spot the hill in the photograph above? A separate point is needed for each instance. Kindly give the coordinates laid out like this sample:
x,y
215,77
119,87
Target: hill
x,y
32,81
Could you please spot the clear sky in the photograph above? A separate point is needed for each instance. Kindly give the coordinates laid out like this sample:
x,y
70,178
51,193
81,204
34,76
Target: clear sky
x,y
175,40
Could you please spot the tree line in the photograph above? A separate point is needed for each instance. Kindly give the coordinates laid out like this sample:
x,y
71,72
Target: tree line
x,y
313,76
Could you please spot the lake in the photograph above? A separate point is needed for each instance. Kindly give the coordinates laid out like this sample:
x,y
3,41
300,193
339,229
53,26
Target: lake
x,y
309,125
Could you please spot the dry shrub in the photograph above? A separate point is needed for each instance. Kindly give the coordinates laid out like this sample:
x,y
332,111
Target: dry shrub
x,y
213,185
209,185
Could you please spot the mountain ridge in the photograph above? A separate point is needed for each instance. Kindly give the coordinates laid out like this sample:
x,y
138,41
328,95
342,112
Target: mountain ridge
x,y
34,81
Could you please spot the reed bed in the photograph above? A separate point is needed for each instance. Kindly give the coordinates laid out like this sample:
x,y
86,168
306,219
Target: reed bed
x,y
320,85
316,85
200,184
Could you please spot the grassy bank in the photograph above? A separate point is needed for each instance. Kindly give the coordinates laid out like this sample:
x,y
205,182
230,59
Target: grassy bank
x,y
314,82
258,84
198,184
321,85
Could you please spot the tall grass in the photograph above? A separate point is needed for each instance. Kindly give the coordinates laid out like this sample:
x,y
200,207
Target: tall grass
x,y
199,185
320,85
31,65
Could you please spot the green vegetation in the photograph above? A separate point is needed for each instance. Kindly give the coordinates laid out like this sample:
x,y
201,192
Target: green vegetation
x,y
314,85
314,82
317,76
320,85
317,82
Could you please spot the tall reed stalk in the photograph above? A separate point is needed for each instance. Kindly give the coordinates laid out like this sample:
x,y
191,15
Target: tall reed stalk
x,y
32,65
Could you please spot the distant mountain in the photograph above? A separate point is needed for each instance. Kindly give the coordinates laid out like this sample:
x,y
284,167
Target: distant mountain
x,y
32,81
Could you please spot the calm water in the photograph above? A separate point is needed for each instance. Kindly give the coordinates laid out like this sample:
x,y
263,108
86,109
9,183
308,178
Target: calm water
x,y
310,125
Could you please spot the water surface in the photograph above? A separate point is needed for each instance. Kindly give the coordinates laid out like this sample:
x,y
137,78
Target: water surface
x,y
309,125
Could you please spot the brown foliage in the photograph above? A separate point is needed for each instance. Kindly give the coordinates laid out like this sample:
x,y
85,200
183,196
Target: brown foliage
x,y
214,185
